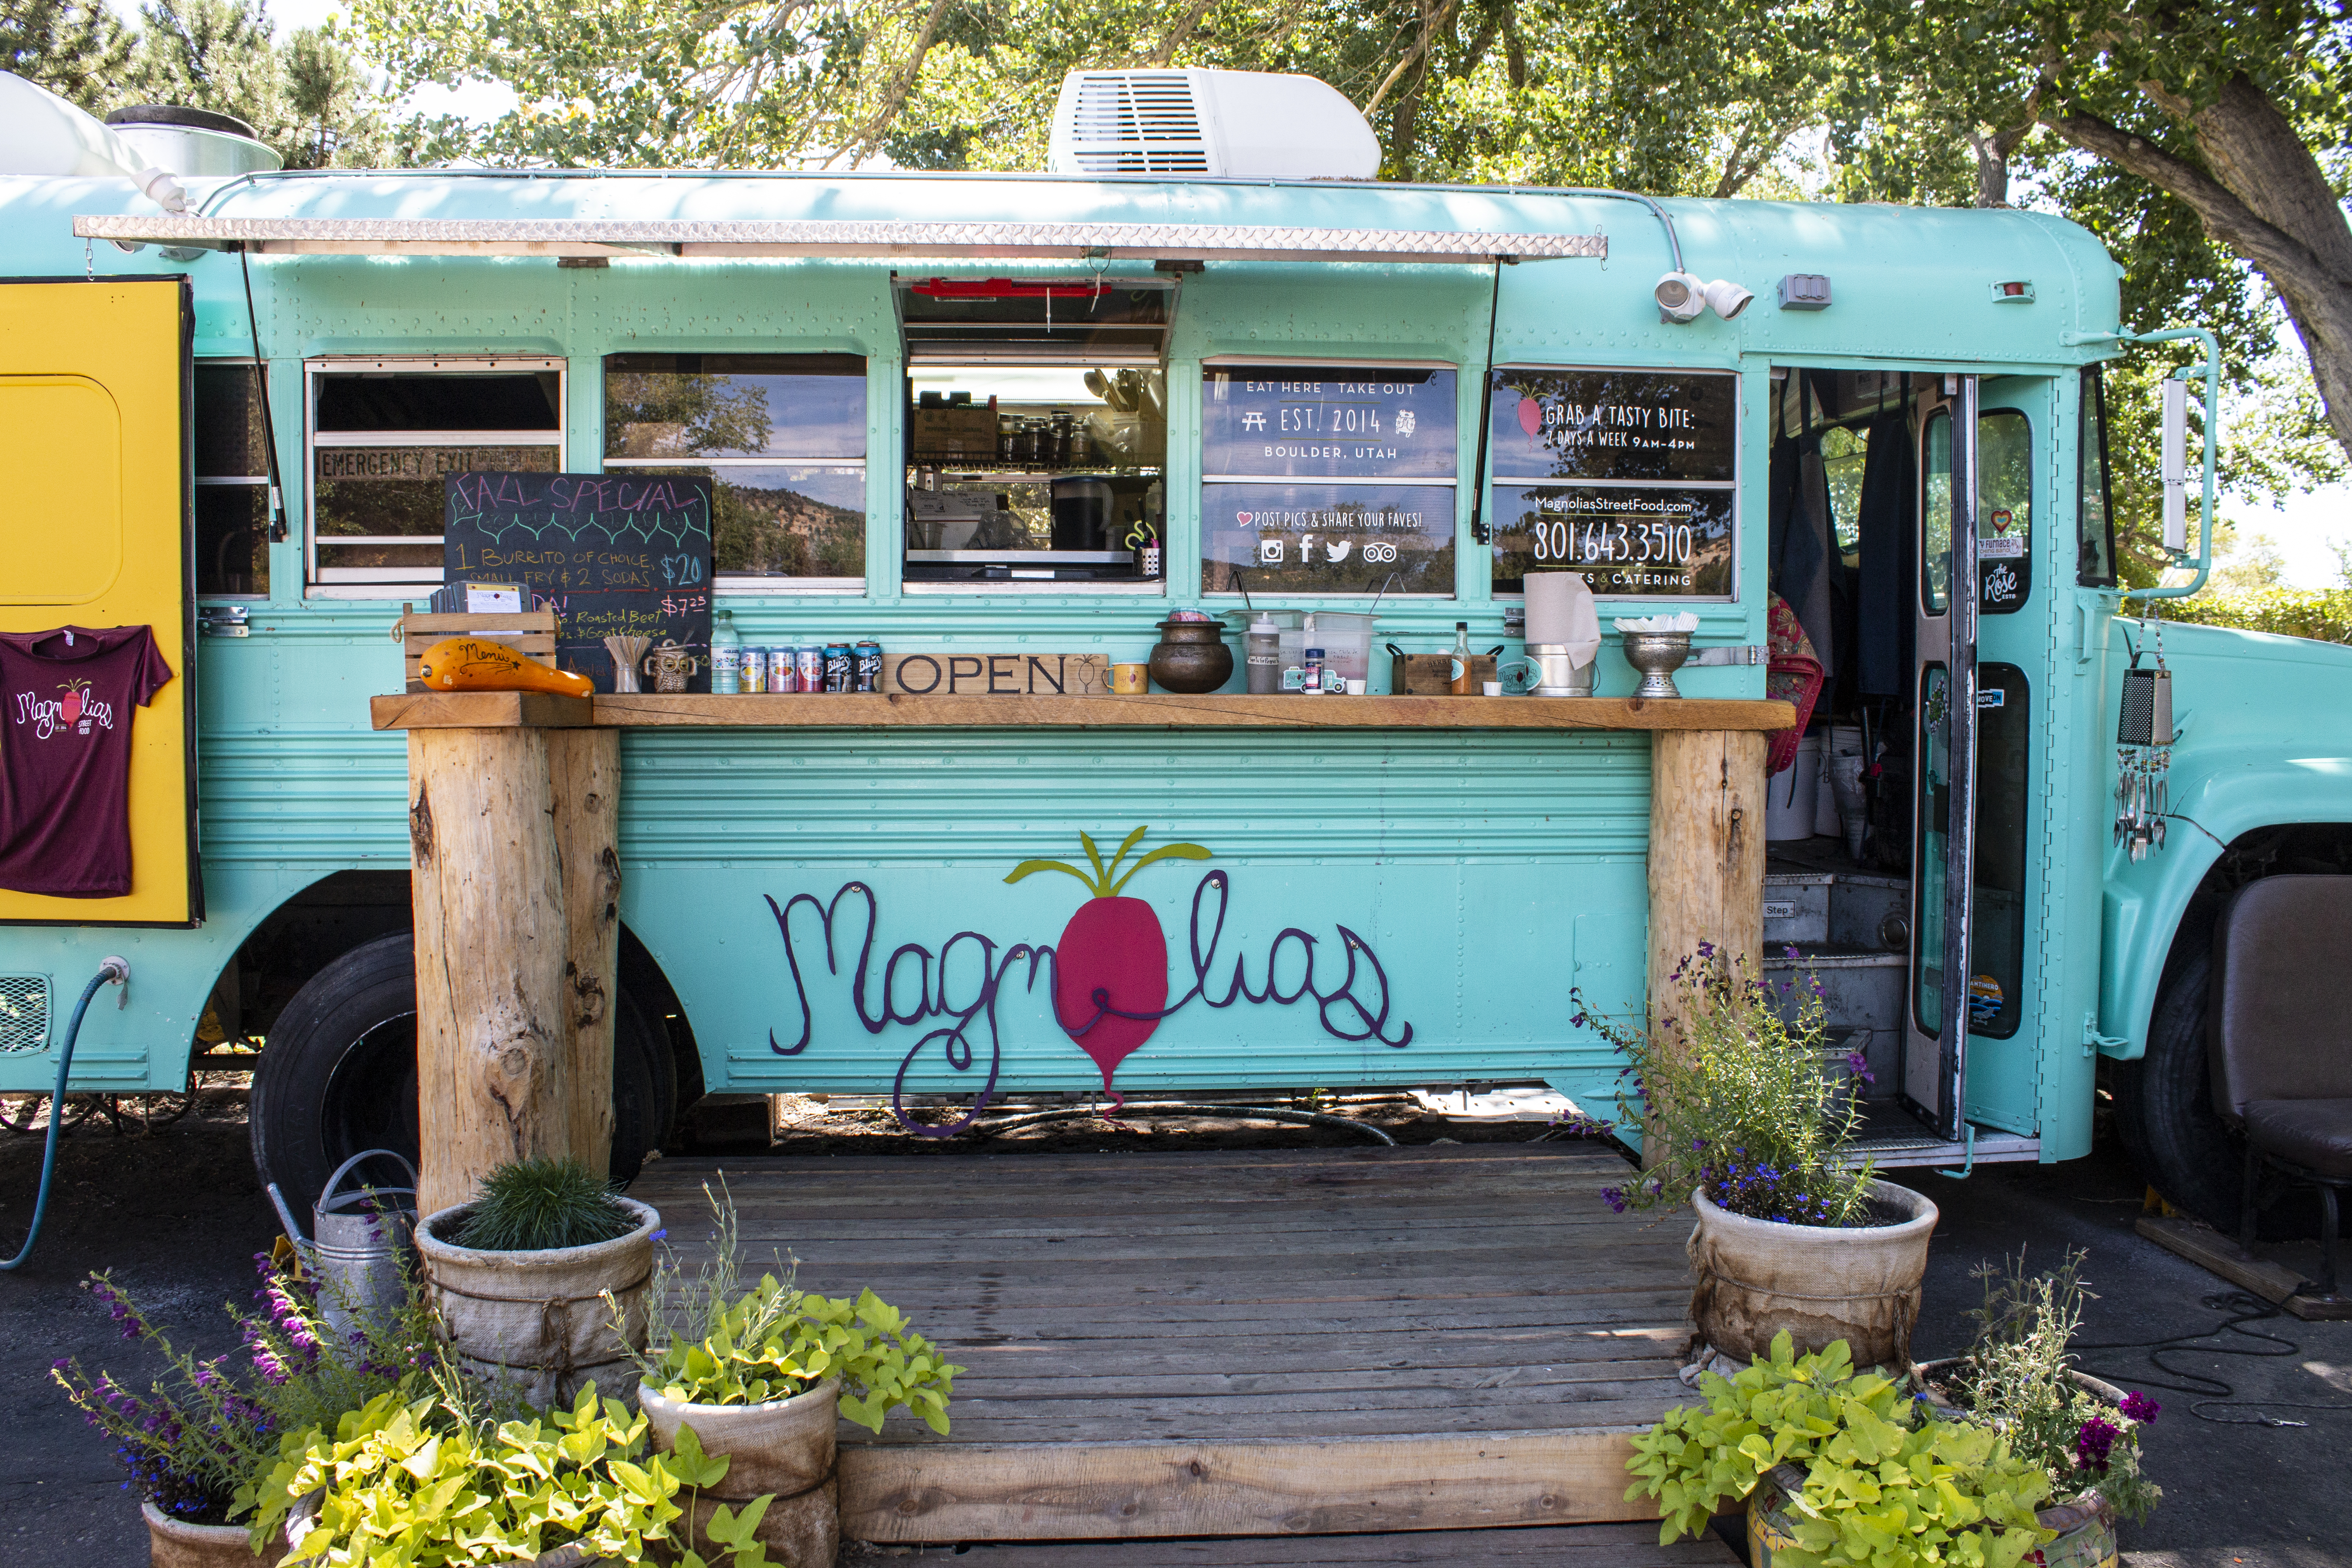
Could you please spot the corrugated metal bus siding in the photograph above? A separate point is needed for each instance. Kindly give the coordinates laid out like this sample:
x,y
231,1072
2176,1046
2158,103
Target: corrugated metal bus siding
x,y
1459,860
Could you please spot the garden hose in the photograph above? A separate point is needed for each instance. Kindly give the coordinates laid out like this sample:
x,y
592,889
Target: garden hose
x,y
113,970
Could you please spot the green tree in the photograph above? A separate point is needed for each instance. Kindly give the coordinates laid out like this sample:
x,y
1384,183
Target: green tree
x,y
306,97
78,51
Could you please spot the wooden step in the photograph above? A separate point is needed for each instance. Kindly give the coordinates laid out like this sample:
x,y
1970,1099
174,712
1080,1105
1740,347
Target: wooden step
x,y
1259,1343
1561,1546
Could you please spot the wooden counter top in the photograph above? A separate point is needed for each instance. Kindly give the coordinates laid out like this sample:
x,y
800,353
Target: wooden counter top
x,y
471,709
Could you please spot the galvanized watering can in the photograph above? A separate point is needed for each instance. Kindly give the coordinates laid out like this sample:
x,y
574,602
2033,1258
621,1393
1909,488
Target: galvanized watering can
x,y
362,1242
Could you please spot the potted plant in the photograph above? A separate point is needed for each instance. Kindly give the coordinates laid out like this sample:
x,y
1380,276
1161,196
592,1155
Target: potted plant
x,y
1736,1114
517,1277
441,1479
762,1373
2019,1377
205,1433
1840,1469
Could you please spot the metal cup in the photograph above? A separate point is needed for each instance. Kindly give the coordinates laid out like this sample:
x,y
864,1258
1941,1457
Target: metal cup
x,y
1657,655
1549,673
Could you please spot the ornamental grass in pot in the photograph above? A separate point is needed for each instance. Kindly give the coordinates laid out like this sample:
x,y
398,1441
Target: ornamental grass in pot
x,y
763,1373
519,1278
1737,1115
200,1443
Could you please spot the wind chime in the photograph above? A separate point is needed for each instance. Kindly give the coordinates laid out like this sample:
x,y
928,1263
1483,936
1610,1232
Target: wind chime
x,y
2144,738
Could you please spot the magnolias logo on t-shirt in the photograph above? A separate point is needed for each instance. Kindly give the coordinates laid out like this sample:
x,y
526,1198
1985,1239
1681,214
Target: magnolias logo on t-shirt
x,y
77,711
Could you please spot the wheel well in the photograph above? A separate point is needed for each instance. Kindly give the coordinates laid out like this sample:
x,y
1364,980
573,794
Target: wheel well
x,y
2307,849
337,913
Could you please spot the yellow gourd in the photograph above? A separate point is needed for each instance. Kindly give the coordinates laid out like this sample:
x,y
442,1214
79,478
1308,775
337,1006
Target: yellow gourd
x,y
470,664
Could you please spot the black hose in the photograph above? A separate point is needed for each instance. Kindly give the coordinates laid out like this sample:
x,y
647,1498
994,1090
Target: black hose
x,y
1168,1107
112,968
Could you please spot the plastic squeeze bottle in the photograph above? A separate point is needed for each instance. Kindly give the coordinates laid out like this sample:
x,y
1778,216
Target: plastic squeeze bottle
x,y
1262,654
1461,683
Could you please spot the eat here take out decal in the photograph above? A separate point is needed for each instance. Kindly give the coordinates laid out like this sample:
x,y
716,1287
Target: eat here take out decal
x,y
1109,973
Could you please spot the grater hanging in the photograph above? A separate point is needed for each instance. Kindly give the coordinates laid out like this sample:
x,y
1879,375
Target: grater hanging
x,y
2144,737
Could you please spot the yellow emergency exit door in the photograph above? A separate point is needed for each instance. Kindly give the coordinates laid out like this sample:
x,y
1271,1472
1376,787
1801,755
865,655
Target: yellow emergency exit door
x,y
94,531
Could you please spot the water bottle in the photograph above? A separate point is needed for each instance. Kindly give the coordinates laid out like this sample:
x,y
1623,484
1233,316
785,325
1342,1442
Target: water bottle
x,y
726,654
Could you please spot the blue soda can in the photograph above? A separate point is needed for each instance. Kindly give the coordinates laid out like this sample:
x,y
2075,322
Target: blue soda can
x,y
751,672
809,664
867,667
838,672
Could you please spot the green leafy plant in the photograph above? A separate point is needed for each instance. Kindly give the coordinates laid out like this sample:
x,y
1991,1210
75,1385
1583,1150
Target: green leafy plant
x,y
1884,1486
1733,1095
432,1482
712,1342
539,1205
2018,1377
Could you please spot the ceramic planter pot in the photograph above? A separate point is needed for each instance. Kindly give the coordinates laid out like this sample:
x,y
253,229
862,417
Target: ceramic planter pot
x,y
785,1447
173,1543
535,1321
2085,1526
1757,1277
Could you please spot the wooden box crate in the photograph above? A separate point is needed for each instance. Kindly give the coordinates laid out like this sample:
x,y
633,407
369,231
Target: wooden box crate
x,y
531,633
1431,674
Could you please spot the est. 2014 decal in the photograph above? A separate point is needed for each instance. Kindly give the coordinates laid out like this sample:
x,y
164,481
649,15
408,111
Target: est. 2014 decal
x,y
1108,974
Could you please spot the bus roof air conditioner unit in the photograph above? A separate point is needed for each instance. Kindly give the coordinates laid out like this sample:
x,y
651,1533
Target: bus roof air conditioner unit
x,y
1190,123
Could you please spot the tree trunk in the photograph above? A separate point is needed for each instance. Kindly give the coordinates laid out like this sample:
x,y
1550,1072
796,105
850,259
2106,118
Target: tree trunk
x,y
2267,199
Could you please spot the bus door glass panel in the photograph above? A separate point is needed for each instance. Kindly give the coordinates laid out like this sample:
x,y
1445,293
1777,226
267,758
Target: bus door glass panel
x,y
2004,511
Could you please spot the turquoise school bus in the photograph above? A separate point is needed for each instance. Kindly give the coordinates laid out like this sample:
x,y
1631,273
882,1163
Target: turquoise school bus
x,y
1003,423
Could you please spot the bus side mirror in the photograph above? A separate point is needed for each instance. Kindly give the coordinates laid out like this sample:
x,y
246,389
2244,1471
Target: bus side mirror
x,y
2175,465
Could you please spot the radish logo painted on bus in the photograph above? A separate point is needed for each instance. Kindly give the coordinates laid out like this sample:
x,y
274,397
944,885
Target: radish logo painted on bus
x,y
1109,975
1111,979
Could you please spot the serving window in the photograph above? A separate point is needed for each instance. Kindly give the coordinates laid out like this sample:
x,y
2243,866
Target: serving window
x,y
781,437
384,433
1328,479
1629,476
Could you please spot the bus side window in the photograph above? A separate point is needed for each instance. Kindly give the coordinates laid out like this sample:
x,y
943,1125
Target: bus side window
x,y
2094,515
232,482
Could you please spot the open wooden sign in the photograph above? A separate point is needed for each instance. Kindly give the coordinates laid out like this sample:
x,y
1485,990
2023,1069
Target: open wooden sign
x,y
953,673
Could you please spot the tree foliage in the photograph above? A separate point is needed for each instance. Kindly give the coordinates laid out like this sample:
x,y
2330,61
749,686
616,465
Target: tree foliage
x,y
75,50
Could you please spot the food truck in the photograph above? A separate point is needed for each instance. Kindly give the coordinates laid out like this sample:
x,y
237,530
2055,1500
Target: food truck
x,y
1005,426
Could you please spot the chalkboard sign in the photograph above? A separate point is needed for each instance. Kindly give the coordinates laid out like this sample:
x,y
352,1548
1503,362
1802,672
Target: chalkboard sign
x,y
613,555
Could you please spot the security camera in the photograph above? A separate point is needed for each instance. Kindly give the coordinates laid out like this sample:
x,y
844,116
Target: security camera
x,y
1726,299
1679,297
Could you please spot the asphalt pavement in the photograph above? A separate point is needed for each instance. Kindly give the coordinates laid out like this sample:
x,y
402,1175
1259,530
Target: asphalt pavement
x,y
178,1216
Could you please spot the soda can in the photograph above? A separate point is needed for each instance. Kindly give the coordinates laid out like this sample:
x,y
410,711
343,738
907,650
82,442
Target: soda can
x,y
751,672
867,667
809,664
781,676
837,672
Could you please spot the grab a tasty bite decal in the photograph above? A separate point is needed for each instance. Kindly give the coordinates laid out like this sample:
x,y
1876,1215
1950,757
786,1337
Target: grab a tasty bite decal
x,y
1109,974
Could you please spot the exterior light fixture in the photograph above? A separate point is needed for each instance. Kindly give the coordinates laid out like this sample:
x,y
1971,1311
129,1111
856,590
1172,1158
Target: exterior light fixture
x,y
1681,297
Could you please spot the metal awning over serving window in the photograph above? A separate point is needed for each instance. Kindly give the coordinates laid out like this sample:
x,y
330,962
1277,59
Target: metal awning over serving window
x,y
835,237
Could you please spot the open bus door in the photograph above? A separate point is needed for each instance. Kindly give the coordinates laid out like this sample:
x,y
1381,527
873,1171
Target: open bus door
x,y
95,379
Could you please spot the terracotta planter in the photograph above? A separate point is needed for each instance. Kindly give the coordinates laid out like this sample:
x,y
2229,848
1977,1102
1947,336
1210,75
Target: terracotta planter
x,y
173,1543
1819,1283
785,1447
535,1319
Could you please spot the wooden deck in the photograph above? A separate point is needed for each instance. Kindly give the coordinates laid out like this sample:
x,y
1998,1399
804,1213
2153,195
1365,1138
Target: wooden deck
x,y
1287,1342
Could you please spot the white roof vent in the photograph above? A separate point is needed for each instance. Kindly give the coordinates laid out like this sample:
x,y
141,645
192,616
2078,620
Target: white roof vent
x,y
1190,122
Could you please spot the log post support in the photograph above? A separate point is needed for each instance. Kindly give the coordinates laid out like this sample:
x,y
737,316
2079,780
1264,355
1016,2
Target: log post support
x,y
1706,849
515,877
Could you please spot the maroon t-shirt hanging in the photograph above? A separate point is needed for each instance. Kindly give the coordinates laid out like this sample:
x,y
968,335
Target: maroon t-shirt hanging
x,y
66,699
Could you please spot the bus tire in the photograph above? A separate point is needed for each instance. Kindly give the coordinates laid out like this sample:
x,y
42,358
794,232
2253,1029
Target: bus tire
x,y
2167,1122
339,1075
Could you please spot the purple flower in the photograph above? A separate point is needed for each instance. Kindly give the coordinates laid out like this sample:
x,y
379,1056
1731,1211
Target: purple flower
x,y
658,1235
1706,950
1789,951
1859,1064
2093,1443
1615,1198
2138,1406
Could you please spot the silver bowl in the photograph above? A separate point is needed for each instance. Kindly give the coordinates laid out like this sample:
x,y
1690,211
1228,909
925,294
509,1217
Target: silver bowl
x,y
1657,655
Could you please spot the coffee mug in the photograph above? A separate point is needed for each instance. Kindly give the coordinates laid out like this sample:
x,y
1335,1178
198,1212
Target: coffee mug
x,y
1129,679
